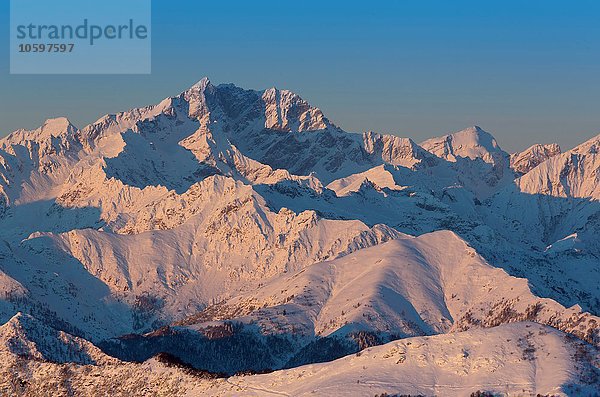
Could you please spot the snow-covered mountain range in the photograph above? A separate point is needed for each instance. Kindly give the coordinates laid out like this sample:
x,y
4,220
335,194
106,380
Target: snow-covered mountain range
x,y
234,230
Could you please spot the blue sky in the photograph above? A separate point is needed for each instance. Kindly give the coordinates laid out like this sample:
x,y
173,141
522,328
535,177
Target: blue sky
x,y
526,71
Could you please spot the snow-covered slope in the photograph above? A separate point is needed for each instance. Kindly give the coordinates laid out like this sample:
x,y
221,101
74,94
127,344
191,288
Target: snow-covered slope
x,y
475,155
33,163
251,207
380,176
177,222
410,286
561,197
163,275
397,151
572,174
472,143
525,161
20,376
522,359
27,337
431,284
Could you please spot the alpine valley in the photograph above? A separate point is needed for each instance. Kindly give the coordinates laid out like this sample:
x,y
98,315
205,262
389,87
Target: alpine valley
x,y
232,242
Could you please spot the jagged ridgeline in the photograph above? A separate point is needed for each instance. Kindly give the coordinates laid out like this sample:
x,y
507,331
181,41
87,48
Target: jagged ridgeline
x,y
228,231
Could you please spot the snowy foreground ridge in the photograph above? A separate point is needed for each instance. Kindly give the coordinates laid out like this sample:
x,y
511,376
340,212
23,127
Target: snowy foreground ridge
x,y
231,242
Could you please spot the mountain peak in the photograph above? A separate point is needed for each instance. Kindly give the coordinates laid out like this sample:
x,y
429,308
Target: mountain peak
x,y
474,129
473,142
476,135
196,97
57,126
287,111
590,146
26,336
51,128
528,159
394,149
198,89
202,83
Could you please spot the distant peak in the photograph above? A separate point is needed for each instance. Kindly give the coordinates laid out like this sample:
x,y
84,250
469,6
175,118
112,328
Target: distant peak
x,y
203,83
287,111
198,88
471,136
196,96
59,127
590,146
58,124
274,92
473,130
475,136
525,161
472,142
550,148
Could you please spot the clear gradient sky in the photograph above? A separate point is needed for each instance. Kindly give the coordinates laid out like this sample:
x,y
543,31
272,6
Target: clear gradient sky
x,y
526,71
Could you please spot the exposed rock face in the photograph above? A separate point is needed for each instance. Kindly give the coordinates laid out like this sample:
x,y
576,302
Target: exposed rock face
x,y
525,161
